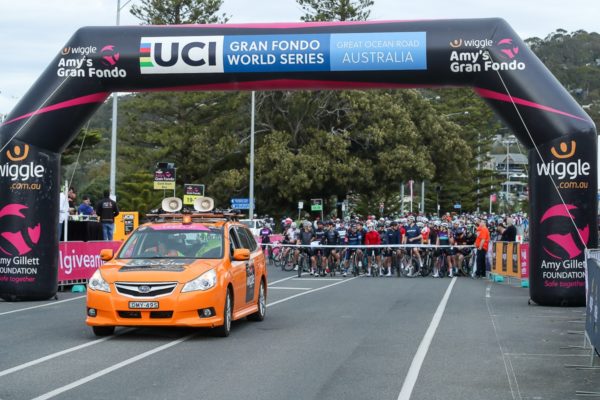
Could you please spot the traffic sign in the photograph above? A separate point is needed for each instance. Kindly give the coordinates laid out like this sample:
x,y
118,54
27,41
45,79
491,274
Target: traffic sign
x,y
300,205
316,204
241,203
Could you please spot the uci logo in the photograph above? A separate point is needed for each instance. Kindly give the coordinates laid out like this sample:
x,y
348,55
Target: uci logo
x,y
183,54
17,154
564,150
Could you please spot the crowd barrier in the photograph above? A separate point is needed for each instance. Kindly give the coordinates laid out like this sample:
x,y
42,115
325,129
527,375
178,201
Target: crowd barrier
x,y
592,320
77,261
511,261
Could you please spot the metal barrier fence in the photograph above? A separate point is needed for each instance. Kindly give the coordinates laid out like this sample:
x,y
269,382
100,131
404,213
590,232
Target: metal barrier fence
x,y
592,317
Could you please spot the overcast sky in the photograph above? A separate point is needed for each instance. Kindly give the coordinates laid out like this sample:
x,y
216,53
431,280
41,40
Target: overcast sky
x,y
33,31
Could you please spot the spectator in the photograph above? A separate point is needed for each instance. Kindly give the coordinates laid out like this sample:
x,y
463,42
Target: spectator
x,y
63,214
85,208
107,210
481,244
509,234
72,196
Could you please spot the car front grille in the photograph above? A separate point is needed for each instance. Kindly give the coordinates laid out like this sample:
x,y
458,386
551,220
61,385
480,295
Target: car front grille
x,y
144,289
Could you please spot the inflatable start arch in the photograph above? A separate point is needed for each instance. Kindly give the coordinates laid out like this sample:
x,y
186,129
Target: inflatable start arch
x,y
483,53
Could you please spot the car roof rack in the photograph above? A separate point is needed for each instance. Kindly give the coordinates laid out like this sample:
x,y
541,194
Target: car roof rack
x,y
211,216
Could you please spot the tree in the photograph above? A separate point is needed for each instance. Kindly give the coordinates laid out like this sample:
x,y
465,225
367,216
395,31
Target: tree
x,y
175,12
335,10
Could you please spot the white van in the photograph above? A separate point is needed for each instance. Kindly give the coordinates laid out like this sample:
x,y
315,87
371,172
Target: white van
x,y
255,225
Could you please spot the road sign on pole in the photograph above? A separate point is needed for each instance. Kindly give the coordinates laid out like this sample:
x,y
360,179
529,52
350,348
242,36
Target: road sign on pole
x,y
240,203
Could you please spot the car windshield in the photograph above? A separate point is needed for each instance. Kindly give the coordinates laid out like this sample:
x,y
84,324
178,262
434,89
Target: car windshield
x,y
196,241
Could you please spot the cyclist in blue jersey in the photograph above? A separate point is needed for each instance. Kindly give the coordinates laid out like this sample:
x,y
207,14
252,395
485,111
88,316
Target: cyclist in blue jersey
x,y
332,239
353,238
413,236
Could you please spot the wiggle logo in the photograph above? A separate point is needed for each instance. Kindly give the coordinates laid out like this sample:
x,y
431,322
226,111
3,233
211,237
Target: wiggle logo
x,y
16,154
564,150
456,43
66,51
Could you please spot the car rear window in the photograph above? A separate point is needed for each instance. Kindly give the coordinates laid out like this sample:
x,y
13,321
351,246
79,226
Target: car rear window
x,y
147,242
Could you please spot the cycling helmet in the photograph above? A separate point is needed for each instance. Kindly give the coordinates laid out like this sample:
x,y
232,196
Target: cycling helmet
x,y
420,224
306,224
444,224
319,222
294,225
411,218
288,221
436,223
267,225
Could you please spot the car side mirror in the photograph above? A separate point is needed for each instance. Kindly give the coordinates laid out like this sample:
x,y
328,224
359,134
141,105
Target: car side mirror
x,y
106,254
241,254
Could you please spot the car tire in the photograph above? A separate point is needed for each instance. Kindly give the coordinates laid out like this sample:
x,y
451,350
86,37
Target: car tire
x,y
103,330
225,329
262,304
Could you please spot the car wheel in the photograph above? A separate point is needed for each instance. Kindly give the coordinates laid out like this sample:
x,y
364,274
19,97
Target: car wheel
x,y
262,304
103,330
225,329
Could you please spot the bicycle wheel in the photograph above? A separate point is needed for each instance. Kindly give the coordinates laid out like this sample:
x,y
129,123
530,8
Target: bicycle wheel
x,y
300,264
425,270
287,262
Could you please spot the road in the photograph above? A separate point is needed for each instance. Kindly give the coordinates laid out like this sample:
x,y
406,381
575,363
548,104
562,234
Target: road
x,y
323,338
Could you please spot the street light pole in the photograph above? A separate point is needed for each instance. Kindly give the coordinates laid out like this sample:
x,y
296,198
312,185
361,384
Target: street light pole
x,y
251,200
113,142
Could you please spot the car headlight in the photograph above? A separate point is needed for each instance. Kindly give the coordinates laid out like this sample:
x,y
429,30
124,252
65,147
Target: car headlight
x,y
204,282
96,282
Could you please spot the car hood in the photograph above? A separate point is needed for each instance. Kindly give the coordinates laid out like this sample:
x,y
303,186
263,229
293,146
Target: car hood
x,y
156,270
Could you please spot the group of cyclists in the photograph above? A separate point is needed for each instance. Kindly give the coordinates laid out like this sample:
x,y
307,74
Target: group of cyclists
x,y
378,247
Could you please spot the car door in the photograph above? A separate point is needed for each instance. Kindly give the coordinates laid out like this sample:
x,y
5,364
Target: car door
x,y
247,242
238,272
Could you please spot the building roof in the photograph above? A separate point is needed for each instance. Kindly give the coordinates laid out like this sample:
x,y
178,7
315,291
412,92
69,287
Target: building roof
x,y
513,158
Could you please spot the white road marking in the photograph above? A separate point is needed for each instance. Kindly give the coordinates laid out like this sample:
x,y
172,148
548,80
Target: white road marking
x,y
58,354
318,279
139,357
110,369
42,305
281,280
513,383
288,288
417,362
310,291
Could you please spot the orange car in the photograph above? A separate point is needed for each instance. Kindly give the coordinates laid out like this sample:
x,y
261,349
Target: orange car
x,y
199,270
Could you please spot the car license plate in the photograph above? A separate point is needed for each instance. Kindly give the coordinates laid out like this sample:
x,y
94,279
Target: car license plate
x,y
143,304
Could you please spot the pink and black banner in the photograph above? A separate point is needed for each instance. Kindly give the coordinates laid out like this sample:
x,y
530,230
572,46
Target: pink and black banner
x,y
485,54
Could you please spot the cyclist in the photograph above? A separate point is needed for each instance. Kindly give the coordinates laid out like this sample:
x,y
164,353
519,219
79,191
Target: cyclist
x,y
444,238
413,236
331,238
382,230
320,239
265,238
373,255
394,237
460,239
353,238
289,237
305,239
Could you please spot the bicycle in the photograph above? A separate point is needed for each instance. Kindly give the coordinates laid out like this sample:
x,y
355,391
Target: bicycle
x,y
468,263
408,263
285,260
303,259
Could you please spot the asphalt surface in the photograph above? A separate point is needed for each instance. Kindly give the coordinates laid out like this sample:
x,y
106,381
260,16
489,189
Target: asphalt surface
x,y
352,338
